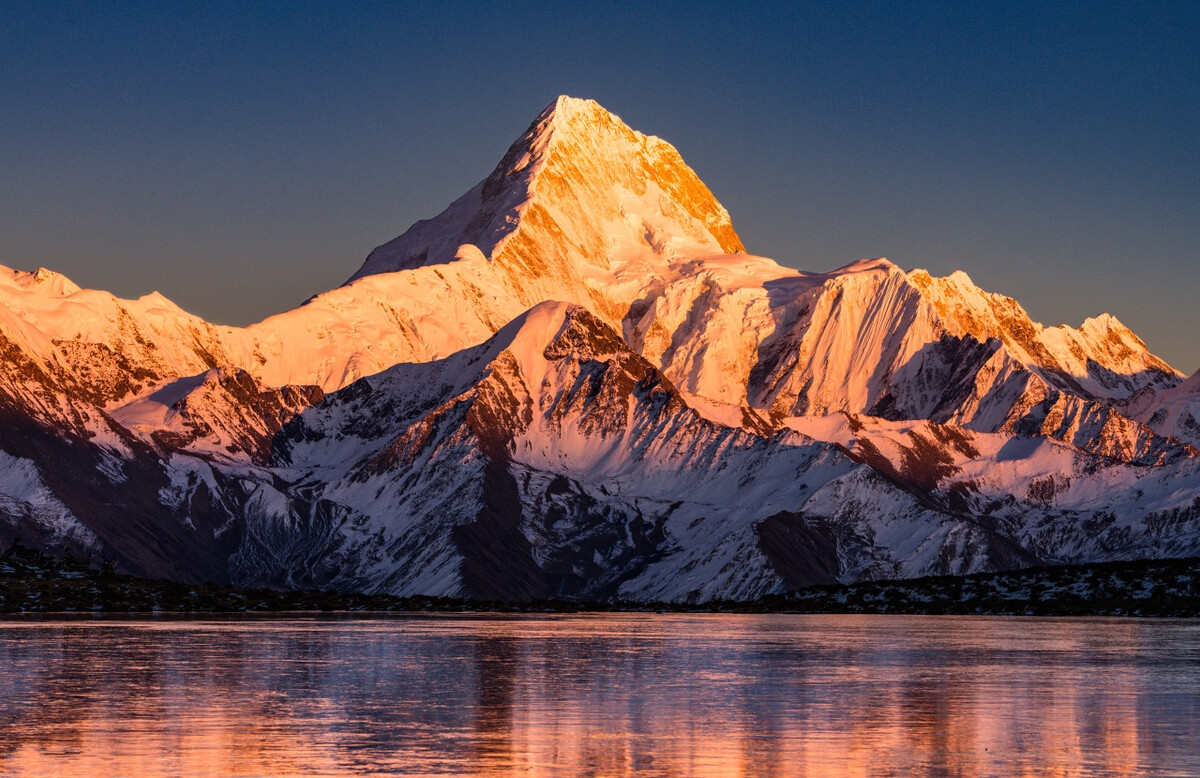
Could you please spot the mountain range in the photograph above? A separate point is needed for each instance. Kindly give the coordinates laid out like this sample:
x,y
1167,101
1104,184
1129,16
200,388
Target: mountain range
x,y
575,382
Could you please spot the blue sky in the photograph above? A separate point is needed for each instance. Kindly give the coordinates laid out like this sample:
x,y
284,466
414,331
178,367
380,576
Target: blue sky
x,y
240,158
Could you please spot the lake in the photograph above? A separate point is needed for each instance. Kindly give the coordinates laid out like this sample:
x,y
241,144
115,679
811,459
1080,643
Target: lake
x,y
607,694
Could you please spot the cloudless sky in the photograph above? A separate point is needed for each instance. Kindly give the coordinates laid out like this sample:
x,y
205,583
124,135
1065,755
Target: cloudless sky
x,y
241,157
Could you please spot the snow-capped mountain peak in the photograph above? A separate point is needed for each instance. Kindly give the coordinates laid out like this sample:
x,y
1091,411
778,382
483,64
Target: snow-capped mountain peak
x,y
572,191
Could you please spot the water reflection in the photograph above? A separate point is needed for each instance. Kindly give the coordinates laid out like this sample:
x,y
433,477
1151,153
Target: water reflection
x,y
601,695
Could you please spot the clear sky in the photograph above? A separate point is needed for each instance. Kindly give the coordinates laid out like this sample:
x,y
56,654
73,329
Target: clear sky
x,y
241,157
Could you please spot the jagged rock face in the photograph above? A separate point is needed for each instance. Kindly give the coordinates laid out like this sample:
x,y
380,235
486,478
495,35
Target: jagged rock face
x,y
574,382
223,413
99,348
582,209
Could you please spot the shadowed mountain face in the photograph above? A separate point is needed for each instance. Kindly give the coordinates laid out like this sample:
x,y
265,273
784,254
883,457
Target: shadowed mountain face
x,y
574,382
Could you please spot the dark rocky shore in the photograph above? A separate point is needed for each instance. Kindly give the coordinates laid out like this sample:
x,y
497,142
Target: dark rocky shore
x,y
31,582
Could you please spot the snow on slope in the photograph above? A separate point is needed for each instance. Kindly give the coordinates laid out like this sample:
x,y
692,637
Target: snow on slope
x,y
31,514
1058,502
581,205
220,413
99,347
514,414
1174,411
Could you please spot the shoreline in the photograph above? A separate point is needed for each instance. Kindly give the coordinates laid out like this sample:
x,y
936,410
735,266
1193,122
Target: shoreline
x,y
32,584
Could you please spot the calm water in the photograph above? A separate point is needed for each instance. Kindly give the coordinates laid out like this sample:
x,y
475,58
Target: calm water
x,y
601,695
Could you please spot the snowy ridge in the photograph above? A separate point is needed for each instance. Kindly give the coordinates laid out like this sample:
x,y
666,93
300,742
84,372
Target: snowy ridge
x,y
868,339
579,205
1101,359
1174,411
220,413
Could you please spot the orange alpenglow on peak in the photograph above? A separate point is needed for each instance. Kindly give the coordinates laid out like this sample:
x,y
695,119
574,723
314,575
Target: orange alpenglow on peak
x,y
567,182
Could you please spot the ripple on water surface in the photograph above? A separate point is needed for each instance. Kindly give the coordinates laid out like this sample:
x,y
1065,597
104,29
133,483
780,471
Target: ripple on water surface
x,y
606,694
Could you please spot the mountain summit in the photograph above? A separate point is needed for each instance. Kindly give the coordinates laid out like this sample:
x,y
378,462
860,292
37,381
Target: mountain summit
x,y
576,382
578,186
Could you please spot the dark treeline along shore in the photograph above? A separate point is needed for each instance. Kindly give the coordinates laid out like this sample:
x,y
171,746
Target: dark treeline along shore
x,y
31,582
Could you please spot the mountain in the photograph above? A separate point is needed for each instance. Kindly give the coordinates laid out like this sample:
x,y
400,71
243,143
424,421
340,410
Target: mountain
x,y
575,382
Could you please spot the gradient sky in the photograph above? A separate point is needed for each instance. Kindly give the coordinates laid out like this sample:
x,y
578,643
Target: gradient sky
x,y
240,159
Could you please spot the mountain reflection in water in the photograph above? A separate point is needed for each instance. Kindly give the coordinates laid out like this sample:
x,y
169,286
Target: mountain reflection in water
x,y
600,695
